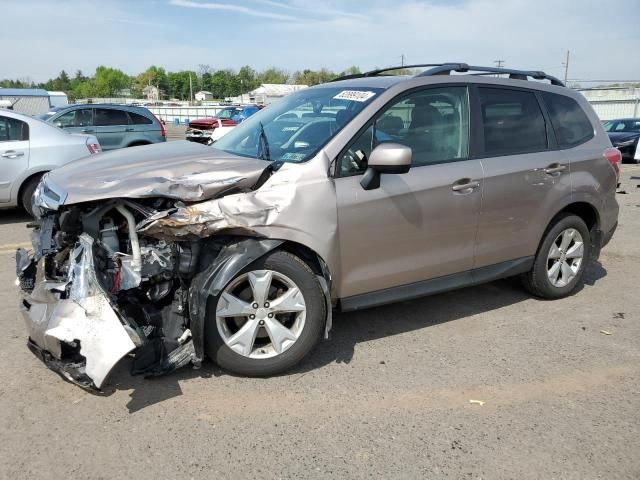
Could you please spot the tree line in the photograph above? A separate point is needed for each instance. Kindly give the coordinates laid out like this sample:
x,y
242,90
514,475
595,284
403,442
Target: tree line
x,y
111,82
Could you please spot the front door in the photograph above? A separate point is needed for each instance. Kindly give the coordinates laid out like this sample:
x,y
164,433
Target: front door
x,y
78,120
14,153
419,225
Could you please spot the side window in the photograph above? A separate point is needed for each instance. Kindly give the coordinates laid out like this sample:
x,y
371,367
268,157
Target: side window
x,y
75,118
13,130
512,121
107,117
570,123
433,122
137,119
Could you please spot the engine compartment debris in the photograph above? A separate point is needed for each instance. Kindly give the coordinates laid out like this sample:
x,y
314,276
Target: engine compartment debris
x,y
118,276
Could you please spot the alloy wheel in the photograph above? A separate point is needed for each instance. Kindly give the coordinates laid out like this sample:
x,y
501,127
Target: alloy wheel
x,y
261,314
565,257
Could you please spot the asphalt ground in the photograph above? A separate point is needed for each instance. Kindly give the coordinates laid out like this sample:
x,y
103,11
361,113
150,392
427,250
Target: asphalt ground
x,y
389,396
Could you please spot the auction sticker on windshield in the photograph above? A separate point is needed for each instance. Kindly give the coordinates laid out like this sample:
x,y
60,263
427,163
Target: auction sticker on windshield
x,y
354,95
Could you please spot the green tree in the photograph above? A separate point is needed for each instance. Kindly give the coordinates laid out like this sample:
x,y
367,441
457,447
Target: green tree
x,y
274,75
108,82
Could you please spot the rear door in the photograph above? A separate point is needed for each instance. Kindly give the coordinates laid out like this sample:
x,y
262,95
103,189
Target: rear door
x,y
419,225
111,126
526,178
14,153
143,128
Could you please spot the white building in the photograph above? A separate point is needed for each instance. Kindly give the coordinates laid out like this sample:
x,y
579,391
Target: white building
x,y
268,93
203,95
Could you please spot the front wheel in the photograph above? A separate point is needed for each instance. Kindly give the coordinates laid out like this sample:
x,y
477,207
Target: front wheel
x,y
267,318
561,259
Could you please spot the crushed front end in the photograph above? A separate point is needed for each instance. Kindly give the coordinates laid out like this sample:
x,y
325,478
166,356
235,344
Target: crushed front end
x,y
94,291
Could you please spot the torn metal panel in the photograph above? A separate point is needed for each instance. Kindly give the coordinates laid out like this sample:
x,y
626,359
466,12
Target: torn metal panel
x,y
181,170
85,316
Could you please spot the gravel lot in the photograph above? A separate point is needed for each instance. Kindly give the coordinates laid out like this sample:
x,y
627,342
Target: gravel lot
x,y
387,397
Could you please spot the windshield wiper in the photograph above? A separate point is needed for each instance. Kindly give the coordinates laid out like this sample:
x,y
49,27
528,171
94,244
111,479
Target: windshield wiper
x,y
263,145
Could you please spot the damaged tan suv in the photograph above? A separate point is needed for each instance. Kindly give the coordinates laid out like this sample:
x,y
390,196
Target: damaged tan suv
x,y
363,191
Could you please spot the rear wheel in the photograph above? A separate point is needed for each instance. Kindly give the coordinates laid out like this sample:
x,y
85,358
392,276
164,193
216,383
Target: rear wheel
x,y
267,318
26,193
561,259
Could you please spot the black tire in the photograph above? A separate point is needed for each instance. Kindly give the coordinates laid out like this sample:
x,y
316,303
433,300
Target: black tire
x,y
537,281
300,273
26,193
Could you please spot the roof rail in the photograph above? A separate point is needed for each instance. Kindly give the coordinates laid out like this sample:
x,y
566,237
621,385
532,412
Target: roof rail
x,y
373,73
446,69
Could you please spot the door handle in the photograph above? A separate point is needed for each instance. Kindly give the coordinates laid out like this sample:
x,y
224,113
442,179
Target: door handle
x,y
466,185
12,154
555,168
129,129
87,130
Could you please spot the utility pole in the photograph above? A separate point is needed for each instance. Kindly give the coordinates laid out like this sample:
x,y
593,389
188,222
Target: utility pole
x,y
499,63
566,68
402,60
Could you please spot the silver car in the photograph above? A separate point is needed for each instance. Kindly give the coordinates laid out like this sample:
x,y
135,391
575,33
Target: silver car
x,y
115,126
356,193
28,149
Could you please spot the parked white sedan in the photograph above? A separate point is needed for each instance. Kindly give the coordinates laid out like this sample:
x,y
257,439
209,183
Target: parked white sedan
x,y
28,149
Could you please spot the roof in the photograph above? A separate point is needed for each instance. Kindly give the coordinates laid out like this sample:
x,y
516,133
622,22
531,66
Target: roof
x,y
56,94
206,92
23,92
276,89
385,81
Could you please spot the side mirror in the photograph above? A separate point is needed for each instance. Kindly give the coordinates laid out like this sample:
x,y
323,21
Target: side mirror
x,y
59,125
386,158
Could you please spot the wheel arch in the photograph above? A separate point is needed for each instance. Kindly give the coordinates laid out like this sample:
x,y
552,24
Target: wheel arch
x,y
24,183
591,217
233,255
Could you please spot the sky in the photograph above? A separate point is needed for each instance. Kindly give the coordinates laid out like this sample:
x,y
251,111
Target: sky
x,y
41,37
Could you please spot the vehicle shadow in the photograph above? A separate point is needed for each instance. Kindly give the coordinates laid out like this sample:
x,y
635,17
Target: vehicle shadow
x,y
16,215
349,329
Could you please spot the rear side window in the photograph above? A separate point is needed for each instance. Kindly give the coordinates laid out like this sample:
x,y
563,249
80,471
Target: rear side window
x,y
12,130
107,116
512,121
570,123
137,119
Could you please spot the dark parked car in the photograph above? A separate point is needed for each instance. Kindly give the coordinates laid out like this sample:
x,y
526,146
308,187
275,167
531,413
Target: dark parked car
x,y
624,134
116,126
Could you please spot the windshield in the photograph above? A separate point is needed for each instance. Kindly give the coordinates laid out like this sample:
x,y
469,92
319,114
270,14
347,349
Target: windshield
x,y
295,128
622,126
227,113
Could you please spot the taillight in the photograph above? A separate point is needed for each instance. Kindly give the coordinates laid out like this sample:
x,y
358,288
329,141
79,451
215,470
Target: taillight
x,y
614,157
163,131
94,148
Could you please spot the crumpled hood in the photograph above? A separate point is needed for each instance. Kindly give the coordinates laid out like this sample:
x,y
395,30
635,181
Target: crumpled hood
x,y
182,170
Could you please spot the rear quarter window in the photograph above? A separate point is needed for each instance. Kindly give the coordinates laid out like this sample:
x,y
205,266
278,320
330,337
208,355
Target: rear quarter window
x,y
570,124
12,130
137,119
